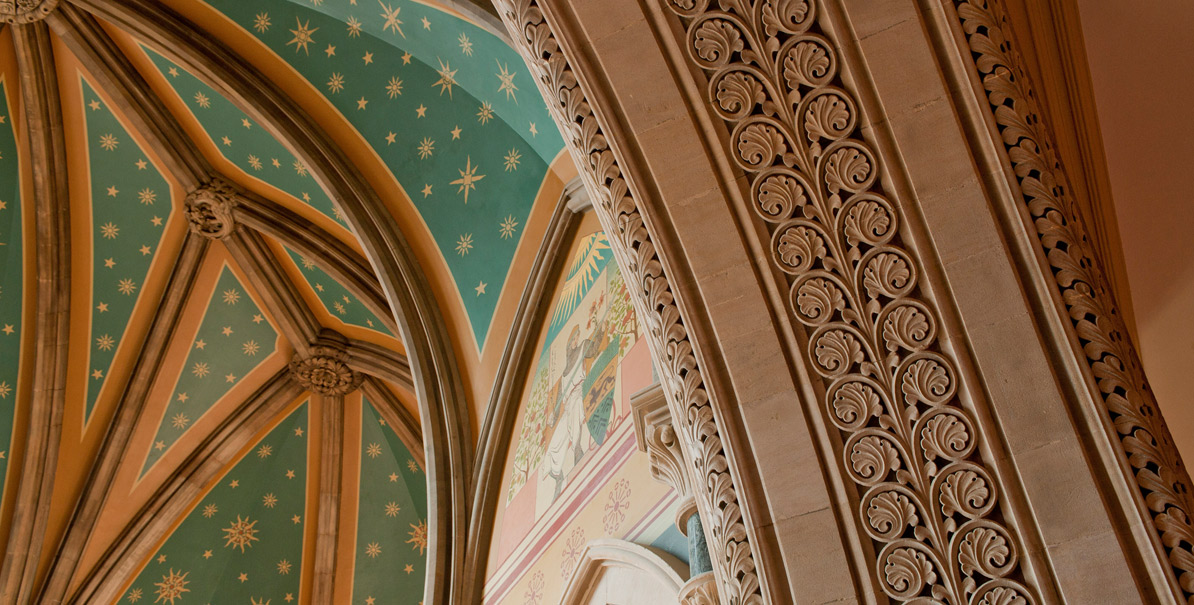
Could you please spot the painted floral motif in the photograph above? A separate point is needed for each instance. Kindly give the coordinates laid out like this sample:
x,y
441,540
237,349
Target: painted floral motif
x,y
616,506
572,549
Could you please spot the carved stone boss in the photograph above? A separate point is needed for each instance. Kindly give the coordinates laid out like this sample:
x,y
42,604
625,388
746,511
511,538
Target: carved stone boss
x,y
25,11
209,210
730,548
326,371
927,498
1129,405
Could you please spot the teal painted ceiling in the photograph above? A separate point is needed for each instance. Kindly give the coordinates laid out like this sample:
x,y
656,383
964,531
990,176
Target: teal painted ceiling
x,y
243,142
447,106
234,337
11,279
242,544
339,302
391,561
130,206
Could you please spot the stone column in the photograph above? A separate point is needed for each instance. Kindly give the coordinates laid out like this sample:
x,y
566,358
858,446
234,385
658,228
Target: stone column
x,y
655,435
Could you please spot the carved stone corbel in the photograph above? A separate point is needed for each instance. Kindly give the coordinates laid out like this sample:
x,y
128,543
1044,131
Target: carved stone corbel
x,y
25,11
325,370
655,435
699,590
209,209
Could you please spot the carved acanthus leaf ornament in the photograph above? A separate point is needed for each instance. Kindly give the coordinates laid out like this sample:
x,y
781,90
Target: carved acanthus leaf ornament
x,y
25,11
209,210
326,371
927,498
730,548
1130,406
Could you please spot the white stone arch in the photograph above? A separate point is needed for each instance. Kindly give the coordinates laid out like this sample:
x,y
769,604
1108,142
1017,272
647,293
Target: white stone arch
x,y
617,571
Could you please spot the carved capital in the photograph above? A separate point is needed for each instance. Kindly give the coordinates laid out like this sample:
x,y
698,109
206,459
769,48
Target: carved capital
x,y
209,210
25,11
655,435
699,590
326,371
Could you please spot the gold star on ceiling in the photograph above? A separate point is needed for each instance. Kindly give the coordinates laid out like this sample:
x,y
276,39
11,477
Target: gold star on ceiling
x,y
392,21
426,189
506,77
455,133
447,77
421,110
361,103
330,50
368,58
480,288
468,178
303,35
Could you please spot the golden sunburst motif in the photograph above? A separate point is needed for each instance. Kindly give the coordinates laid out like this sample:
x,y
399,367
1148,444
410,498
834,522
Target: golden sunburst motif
x,y
284,567
269,500
210,510
336,83
201,369
506,77
5,390
466,46
464,244
202,100
508,226
171,587
147,196
392,21
231,296
307,263
134,595
468,178
339,307
240,534
180,421
394,87
512,159
264,451
373,549
109,142
251,347
447,77
412,466
354,27
392,509
426,148
261,22
374,450
261,601
418,536
126,286
299,168
303,35
485,112
109,230
105,342
254,162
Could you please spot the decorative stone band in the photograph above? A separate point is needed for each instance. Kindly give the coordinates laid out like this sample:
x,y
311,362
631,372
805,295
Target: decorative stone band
x,y
928,496
209,209
1130,406
25,11
729,543
325,371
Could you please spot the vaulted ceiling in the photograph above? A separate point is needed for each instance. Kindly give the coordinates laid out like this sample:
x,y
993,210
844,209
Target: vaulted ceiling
x,y
259,262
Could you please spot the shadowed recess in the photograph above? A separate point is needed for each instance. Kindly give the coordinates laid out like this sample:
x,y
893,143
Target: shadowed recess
x,y
11,280
243,541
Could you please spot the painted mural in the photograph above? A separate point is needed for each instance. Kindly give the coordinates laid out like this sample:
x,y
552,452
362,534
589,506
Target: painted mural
x,y
243,540
574,473
576,397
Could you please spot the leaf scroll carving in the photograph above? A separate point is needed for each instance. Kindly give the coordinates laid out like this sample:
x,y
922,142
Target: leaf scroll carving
x,y
927,497
1128,403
